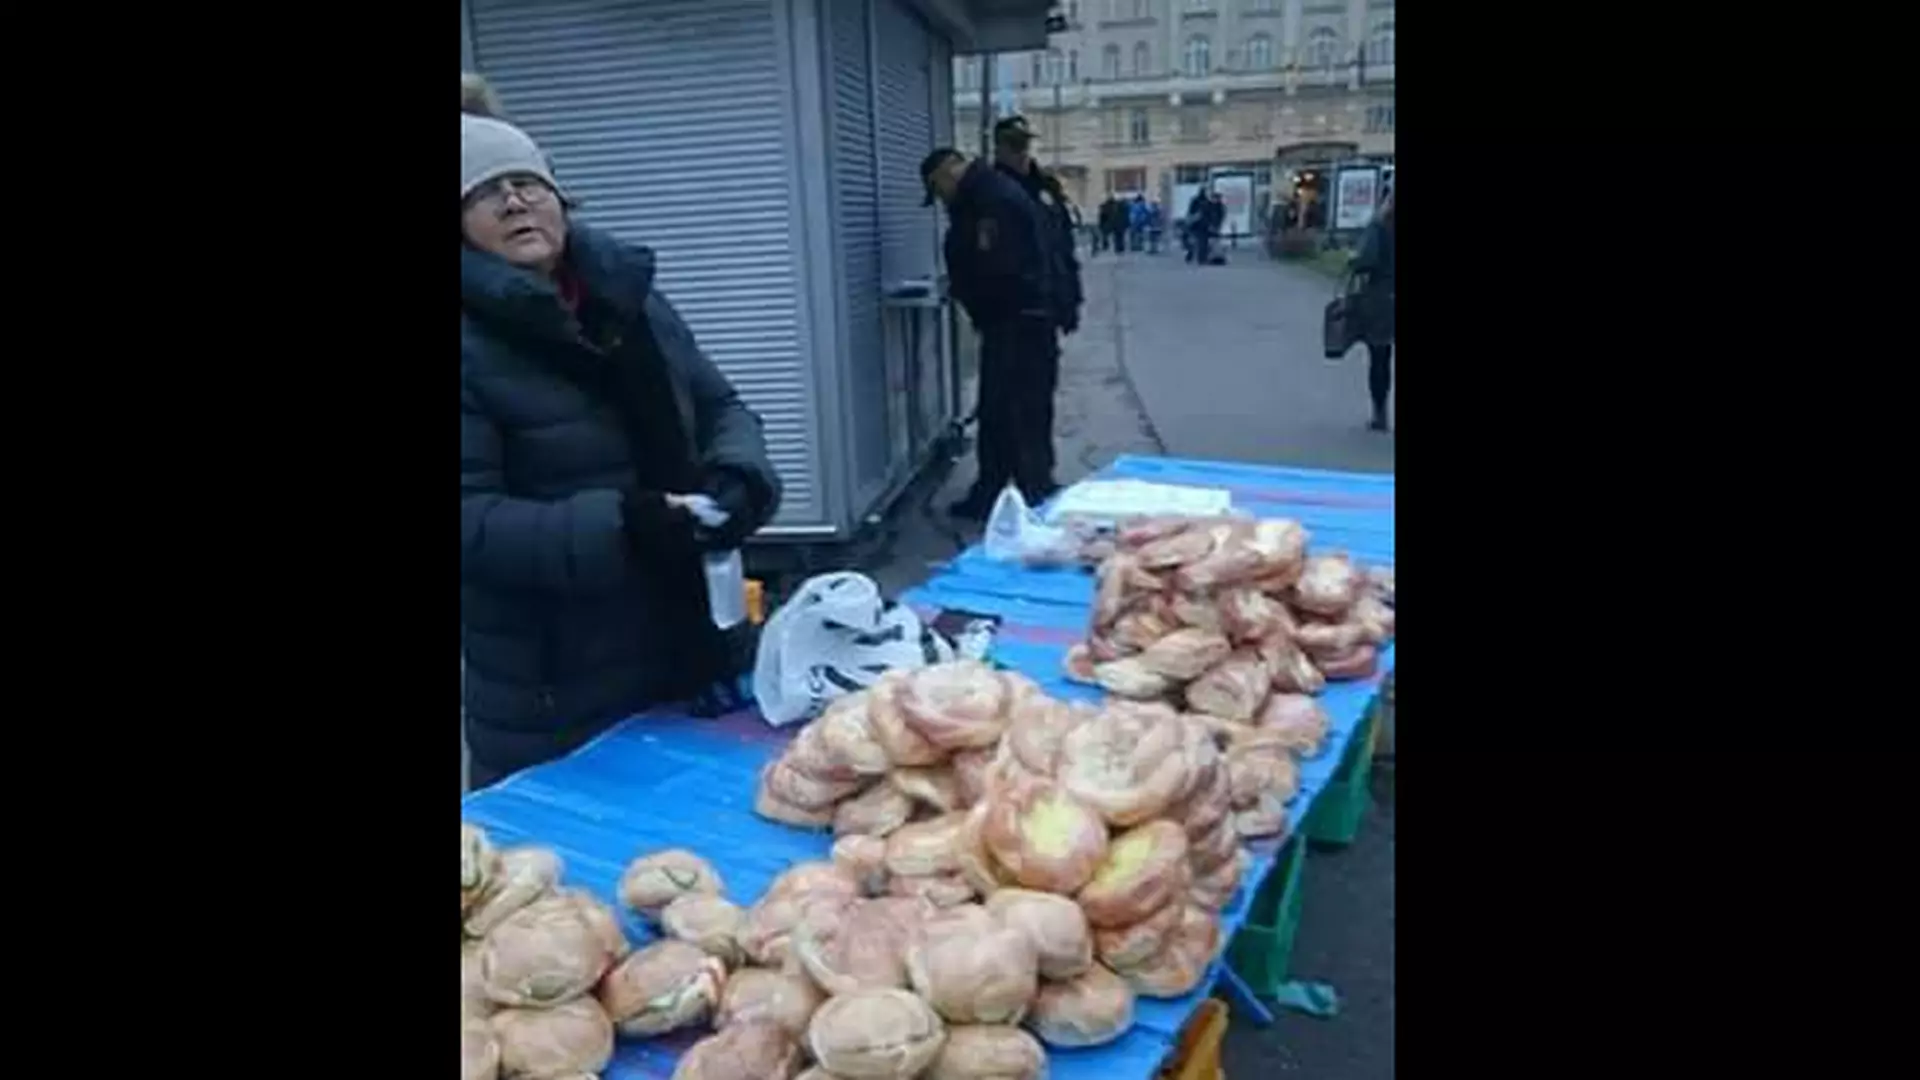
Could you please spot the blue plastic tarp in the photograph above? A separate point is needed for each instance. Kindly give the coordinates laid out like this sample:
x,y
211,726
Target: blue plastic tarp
x,y
660,781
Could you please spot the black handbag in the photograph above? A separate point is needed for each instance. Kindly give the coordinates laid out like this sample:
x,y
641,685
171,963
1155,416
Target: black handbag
x,y
1344,325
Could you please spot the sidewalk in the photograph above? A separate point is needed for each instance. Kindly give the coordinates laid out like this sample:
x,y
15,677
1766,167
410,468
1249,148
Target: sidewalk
x,y
1227,361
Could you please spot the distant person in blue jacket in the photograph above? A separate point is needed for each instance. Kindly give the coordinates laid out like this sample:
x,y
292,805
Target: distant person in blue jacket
x,y
1137,215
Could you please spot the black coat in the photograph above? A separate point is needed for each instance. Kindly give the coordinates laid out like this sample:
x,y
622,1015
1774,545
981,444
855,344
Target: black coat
x,y
999,250
582,596
1373,264
1051,197
1200,214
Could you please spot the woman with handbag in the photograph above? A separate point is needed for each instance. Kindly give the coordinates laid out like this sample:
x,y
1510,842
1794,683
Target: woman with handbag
x,y
1373,270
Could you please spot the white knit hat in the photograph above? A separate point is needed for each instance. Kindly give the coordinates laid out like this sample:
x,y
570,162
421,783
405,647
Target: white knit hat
x,y
490,149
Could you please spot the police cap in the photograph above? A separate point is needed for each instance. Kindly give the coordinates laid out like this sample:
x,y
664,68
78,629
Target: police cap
x,y
1013,132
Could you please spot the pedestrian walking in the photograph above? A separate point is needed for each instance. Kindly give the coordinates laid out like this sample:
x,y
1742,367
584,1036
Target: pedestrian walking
x,y
1003,274
599,448
1200,229
1114,221
1373,270
1216,224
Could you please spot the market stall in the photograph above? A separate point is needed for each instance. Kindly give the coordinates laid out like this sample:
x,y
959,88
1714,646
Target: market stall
x,y
661,782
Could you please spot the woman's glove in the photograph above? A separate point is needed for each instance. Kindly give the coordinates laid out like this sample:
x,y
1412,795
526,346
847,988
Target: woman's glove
x,y
653,522
732,494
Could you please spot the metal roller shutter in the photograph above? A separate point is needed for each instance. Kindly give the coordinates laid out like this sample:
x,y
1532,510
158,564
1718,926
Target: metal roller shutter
x,y
857,235
668,120
905,134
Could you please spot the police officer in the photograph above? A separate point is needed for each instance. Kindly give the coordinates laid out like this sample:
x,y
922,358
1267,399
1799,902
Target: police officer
x,y
1012,143
1001,268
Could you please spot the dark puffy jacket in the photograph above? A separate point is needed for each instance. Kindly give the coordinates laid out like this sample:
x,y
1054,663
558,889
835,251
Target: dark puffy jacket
x,y
582,596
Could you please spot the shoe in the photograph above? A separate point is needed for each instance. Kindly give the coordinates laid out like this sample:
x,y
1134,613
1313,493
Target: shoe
x,y
1378,423
971,508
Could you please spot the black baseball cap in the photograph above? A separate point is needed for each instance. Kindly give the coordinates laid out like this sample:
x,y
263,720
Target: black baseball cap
x,y
1013,130
930,165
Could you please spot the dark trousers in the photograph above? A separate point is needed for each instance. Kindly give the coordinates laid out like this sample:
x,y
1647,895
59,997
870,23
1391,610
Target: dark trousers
x,y
1379,375
1119,240
1019,373
1202,246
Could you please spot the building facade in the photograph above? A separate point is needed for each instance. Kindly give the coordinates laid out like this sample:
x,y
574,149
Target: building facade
x,y
1141,95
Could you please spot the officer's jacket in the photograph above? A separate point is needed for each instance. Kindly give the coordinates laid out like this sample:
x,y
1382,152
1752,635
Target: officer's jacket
x,y
999,261
1045,190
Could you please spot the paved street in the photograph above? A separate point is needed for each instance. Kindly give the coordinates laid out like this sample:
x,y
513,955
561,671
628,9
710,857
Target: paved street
x,y
1227,361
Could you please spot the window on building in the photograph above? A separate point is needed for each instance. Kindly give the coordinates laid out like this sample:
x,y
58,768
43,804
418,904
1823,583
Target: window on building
x,y
966,72
1073,11
1126,181
1189,174
1380,119
1113,126
1199,5
1259,53
1142,9
1137,131
1003,75
1053,69
1257,126
1198,58
1073,65
1194,123
1259,5
1110,62
1142,59
1380,43
1323,48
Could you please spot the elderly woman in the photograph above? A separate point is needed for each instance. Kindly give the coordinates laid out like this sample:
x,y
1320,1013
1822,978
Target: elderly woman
x,y
590,424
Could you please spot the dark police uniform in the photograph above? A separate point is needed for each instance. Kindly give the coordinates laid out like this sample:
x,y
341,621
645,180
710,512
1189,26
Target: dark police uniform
x,y
1001,267
1045,190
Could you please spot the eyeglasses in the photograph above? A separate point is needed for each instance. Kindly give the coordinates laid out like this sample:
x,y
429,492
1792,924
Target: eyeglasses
x,y
532,191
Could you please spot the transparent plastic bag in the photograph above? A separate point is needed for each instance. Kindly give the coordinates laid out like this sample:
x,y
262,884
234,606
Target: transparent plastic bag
x,y
1015,533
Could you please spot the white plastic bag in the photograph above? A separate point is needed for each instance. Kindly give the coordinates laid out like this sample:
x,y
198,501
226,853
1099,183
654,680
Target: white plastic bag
x,y
1016,534
835,636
